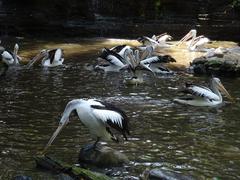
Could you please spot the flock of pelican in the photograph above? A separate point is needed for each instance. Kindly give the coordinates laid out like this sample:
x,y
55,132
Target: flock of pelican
x,y
101,117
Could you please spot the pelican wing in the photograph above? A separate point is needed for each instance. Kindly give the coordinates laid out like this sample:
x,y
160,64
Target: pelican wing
x,y
112,57
117,49
58,54
154,59
112,116
51,54
158,59
147,41
114,60
201,91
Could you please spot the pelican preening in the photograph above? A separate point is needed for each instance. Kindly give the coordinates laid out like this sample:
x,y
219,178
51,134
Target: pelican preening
x,y
194,42
203,96
48,58
99,117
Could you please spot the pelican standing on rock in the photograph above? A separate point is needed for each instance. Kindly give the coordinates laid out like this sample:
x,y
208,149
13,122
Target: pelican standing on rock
x,y
99,117
203,96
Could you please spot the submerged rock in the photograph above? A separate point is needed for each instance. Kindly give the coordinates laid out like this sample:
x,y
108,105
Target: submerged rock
x,y
102,156
227,64
160,174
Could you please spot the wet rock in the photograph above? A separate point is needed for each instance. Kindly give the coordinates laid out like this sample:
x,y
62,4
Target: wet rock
x,y
226,65
20,177
160,174
102,156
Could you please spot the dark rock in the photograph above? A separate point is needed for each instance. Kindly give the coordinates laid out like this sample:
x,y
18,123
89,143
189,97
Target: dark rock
x,y
20,177
160,174
226,65
101,156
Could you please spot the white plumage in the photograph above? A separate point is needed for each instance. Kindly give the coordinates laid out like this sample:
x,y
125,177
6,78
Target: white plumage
x,y
53,58
194,43
111,61
99,117
203,96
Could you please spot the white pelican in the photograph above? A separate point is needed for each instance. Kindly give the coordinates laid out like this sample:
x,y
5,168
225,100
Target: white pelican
x,y
110,61
147,41
120,49
49,58
99,117
8,56
203,96
194,43
136,66
6,59
9,59
159,41
54,58
162,40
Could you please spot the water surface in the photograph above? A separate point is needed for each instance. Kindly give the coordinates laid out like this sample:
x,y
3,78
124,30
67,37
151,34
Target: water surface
x,y
201,142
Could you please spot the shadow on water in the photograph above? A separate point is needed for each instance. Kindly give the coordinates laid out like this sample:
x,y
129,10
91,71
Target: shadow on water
x,y
201,142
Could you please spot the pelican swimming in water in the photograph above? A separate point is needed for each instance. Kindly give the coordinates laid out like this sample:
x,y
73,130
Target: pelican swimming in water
x,y
194,43
162,40
6,59
99,117
156,42
54,58
138,61
203,96
9,59
111,61
49,58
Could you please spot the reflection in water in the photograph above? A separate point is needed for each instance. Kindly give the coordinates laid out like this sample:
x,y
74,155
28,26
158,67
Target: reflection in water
x,y
201,142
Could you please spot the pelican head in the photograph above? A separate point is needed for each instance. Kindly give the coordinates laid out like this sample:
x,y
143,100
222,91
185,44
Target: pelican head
x,y
217,83
43,54
191,34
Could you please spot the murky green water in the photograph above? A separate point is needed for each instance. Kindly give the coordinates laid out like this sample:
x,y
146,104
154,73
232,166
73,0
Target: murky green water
x,y
200,142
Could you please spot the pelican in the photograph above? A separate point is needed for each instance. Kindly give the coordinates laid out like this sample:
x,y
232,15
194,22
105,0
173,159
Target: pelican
x,y
203,96
162,40
99,117
50,58
54,58
136,65
156,41
147,41
110,61
9,59
6,59
120,49
195,43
